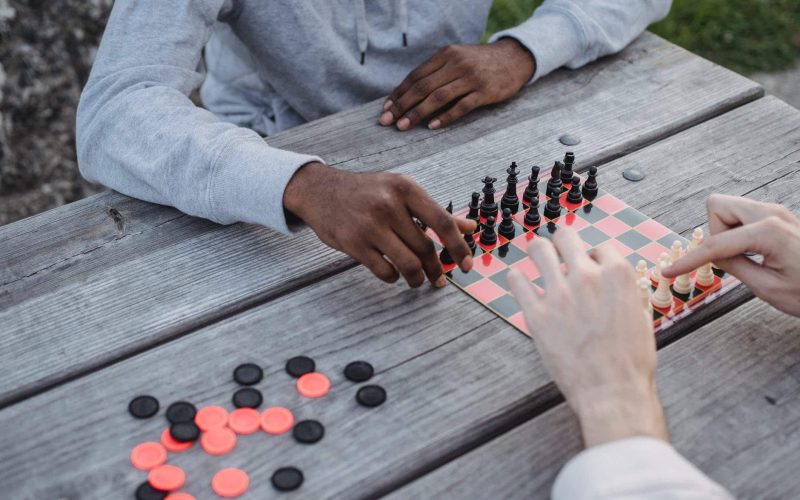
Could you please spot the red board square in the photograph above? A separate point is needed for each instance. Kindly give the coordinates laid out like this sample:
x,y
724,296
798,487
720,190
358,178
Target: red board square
x,y
573,221
623,250
652,229
523,240
611,226
518,320
485,291
487,264
609,204
527,268
652,251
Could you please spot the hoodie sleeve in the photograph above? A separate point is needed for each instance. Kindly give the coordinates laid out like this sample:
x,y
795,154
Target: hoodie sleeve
x,y
575,32
641,467
140,134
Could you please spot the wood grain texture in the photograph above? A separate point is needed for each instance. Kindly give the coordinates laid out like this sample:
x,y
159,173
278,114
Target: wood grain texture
x,y
457,376
82,310
730,393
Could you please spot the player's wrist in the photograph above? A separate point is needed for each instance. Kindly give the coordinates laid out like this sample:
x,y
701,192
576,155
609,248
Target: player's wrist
x,y
301,191
524,65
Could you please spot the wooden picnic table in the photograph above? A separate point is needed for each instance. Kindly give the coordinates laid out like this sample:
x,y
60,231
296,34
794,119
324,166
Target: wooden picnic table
x,y
110,297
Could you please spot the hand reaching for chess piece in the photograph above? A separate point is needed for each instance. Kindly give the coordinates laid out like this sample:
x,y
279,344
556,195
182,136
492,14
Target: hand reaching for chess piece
x,y
740,225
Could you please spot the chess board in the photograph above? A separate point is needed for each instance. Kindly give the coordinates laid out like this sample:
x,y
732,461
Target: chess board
x,y
604,221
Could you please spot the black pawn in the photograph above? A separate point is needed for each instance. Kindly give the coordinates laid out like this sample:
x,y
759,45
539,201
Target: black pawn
x,y
566,172
506,228
590,186
510,199
488,235
553,208
474,209
532,217
488,207
471,243
574,195
444,255
532,191
555,179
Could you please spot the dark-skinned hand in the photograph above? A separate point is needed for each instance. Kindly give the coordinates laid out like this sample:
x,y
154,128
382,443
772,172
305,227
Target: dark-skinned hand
x,y
459,78
369,216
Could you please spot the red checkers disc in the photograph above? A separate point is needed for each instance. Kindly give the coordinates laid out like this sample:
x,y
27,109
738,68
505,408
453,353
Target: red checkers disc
x,y
211,417
148,455
218,441
174,446
244,420
230,482
166,477
277,420
313,385
179,496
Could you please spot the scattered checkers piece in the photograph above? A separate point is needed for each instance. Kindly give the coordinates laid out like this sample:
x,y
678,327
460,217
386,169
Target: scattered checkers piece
x,y
633,174
277,420
287,479
299,366
166,477
371,395
248,374
247,398
179,496
171,444
308,431
184,432
218,441
147,492
358,371
148,455
313,385
244,421
181,412
143,406
211,417
230,482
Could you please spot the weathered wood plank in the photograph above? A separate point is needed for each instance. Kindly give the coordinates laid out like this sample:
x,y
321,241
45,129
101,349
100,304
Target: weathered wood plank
x,y
456,375
730,394
131,293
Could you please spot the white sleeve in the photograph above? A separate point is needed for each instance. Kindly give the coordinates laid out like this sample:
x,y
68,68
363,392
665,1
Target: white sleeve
x,y
634,468
575,32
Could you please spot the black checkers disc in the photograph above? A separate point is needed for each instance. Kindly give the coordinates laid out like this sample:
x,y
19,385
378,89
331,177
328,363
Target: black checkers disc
x,y
371,395
358,371
181,412
633,174
287,479
248,374
299,366
147,492
143,406
184,432
247,398
308,431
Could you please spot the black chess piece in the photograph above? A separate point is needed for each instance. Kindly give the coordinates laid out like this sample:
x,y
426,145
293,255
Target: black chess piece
x,y
510,199
488,235
488,207
553,208
574,195
474,211
532,217
566,171
555,179
470,240
590,186
506,228
444,255
532,190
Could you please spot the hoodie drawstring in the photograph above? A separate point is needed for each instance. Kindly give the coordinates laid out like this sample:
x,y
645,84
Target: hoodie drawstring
x,y
362,29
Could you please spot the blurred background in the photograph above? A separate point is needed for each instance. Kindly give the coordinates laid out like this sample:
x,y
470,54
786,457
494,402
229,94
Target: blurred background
x,y
47,48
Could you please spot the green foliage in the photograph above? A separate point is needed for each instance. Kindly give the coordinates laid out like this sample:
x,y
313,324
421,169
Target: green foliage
x,y
744,35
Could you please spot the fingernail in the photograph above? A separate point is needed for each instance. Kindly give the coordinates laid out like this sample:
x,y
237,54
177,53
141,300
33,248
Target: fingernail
x,y
466,264
386,118
440,282
434,124
387,104
403,123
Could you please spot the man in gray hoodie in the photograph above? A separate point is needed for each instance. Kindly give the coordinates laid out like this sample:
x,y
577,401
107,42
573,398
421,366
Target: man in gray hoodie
x,y
272,65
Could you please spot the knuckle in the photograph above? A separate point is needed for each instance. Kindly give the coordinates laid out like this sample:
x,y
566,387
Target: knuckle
x,y
421,87
402,184
439,97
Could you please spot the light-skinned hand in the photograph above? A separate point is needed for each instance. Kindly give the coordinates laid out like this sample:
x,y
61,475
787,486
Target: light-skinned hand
x,y
739,225
594,337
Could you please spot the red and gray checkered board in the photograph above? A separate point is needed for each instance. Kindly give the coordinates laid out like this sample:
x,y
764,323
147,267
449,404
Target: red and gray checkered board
x,y
605,220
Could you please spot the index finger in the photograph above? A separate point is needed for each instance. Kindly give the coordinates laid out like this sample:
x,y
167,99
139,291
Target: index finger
x,y
717,247
443,224
725,211
421,71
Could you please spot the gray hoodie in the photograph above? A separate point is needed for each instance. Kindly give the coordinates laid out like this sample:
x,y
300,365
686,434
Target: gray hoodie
x,y
272,65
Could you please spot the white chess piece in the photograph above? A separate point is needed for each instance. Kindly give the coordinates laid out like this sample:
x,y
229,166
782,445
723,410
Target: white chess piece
x,y
662,297
697,238
683,283
656,276
676,250
644,294
705,275
641,268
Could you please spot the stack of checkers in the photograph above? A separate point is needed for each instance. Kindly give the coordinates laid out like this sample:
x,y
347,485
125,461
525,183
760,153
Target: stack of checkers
x,y
217,429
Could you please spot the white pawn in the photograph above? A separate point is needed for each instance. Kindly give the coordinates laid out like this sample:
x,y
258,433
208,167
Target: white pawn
x,y
644,294
656,276
705,275
662,297
675,254
697,238
641,268
683,283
